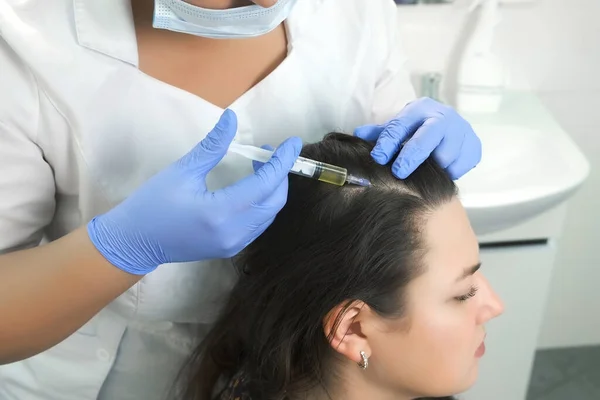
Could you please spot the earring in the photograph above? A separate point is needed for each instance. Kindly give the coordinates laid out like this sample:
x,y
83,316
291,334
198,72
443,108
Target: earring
x,y
364,364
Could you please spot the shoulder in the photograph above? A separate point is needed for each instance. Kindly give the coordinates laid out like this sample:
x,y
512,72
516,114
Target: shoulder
x,y
37,25
31,32
19,97
35,36
32,19
25,10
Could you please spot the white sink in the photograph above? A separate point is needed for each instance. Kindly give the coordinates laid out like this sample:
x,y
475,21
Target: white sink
x,y
529,163
523,173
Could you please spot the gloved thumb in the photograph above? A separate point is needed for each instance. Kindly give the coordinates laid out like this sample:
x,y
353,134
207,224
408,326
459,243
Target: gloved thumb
x,y
370,133
269,176
207,154
256,165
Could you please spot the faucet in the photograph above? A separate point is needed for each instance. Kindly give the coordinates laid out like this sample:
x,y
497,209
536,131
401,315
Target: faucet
x,y
430,85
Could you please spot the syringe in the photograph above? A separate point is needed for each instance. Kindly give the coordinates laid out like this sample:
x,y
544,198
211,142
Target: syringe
x,y
303,166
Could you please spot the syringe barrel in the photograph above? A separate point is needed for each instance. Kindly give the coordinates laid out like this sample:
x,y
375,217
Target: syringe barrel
x,y
303,166
320,171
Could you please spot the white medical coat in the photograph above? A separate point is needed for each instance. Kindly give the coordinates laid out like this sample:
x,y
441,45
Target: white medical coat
x,y
81,128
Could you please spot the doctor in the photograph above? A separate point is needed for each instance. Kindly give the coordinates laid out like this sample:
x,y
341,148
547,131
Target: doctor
x,y
104,111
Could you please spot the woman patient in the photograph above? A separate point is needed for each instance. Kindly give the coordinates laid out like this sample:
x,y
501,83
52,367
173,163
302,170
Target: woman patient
x,y
353,293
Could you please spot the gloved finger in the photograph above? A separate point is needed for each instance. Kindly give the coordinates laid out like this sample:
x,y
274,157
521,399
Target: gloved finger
x,y
399,129
389,142
369,133
277,199
259,230
418,148
209,152
257,164
449,149
467,160
259,217
266,209
255,188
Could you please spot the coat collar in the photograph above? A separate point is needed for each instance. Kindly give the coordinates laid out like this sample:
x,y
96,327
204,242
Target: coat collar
x,y
106,26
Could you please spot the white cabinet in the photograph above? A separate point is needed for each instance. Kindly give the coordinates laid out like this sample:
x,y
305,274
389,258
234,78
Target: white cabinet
x,y
521,275
518,263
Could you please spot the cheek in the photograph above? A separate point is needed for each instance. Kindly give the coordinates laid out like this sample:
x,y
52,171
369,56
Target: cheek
x,y
436,356
447,325
447,335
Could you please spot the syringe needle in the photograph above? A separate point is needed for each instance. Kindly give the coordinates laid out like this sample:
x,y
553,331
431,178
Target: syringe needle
x,y
355,180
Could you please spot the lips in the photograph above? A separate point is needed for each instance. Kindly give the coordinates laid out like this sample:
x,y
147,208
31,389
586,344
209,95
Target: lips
x,y
480,350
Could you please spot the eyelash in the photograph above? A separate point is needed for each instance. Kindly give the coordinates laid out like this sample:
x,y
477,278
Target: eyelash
x,y
472,292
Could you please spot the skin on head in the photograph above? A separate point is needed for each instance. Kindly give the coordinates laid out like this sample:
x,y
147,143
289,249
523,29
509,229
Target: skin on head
x,y
389,270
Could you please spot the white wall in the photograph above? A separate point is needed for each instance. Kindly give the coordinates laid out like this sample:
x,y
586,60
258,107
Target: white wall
x,y
556,46
553,47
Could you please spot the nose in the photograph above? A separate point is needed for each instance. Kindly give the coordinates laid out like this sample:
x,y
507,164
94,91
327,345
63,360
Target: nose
x,y
491,305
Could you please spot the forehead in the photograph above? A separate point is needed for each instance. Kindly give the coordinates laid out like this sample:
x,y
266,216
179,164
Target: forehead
x,y
451,243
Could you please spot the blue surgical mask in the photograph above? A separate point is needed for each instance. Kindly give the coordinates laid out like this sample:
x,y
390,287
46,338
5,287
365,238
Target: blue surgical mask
x,y
232,23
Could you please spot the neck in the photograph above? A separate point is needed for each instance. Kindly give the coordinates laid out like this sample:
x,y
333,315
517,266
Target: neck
x,y
355,384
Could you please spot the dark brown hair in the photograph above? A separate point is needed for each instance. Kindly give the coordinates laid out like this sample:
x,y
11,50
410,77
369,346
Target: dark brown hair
x,y
328,246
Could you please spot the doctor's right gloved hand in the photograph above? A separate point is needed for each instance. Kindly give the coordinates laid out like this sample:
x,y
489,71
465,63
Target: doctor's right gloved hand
x,y
174,218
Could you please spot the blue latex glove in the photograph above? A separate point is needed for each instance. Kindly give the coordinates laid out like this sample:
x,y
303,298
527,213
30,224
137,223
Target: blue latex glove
x,y
431,128
174,218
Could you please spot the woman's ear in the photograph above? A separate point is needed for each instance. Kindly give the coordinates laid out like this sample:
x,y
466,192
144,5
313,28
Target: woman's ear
x,y
344,327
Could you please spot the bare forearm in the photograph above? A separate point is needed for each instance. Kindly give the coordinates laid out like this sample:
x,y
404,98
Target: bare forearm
x,y
47,293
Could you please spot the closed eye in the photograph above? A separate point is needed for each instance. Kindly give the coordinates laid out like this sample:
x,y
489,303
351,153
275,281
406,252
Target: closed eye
x,y
472,292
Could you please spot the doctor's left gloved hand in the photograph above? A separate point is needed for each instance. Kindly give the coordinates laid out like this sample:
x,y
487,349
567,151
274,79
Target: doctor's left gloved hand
x,y
173,217
431,129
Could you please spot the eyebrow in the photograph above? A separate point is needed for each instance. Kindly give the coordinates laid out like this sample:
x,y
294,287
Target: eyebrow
x,y
468,272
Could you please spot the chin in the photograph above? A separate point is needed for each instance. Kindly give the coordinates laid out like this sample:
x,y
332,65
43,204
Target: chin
x,y
469,380
454,388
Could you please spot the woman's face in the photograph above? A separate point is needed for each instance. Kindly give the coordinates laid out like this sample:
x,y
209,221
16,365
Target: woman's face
x,y
435,349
